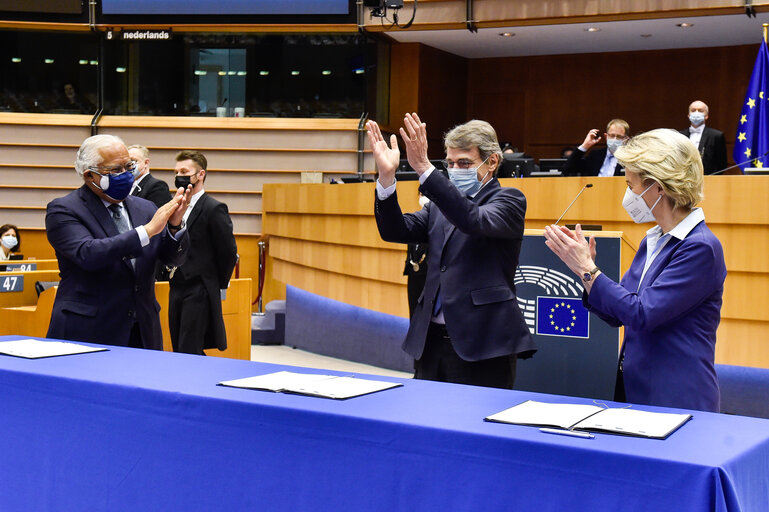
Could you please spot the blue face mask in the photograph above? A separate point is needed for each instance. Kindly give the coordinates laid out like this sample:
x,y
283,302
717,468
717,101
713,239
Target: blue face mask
x,y
466,180
118,185
696,118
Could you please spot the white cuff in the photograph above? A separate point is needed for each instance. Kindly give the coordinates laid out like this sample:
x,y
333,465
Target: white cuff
x,y
383,193
143,237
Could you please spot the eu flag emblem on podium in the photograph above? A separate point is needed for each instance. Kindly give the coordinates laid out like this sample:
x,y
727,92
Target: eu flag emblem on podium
x,y
558,316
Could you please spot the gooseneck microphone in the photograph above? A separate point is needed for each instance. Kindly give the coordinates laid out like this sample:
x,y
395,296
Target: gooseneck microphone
x,y
588,185
739,164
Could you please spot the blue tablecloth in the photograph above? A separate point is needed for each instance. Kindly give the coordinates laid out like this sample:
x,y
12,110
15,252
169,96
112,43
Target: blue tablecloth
x,y
131,429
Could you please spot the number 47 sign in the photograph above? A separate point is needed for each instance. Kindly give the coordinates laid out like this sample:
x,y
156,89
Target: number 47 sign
x,y
11,283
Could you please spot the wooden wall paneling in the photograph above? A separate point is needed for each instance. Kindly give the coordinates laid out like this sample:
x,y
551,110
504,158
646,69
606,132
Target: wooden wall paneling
x,y
379,296
59,175
405,82
365,262
567,95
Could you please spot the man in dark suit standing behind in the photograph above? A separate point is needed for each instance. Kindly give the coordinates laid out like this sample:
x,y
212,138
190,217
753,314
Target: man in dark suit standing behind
x,y
146,185
601,161
107,243
195,307
467,327
709,141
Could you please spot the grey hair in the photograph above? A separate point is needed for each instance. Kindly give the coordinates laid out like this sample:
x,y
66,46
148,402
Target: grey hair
x,y
89,153
475,133
141,149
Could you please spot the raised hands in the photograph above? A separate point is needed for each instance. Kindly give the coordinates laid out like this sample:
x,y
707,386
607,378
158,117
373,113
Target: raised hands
x,y
170,213
415,139
386,157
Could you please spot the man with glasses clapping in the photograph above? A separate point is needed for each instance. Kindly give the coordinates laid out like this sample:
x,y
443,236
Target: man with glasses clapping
x,y
467,327
107,243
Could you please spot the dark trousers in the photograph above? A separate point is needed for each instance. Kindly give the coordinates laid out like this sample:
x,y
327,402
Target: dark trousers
x,y
439,362
189,313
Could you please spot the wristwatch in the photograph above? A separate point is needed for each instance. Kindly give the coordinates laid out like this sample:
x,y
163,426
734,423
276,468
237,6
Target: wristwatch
x,y
179,227
588,276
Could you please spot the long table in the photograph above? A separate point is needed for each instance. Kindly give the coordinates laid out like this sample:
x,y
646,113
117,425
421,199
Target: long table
x,y
129,429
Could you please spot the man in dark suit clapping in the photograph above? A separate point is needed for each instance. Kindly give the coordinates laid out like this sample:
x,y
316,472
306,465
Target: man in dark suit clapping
x,y
467,327
195,307
107,243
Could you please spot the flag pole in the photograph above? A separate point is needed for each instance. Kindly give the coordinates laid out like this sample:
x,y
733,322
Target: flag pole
x,y
765,26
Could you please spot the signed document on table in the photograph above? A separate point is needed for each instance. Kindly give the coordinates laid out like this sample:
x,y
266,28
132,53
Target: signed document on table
x,y
324,386
36,349
592,418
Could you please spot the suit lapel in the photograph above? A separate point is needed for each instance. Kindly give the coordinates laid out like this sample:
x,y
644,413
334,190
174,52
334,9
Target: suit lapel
x,y
196,211
480,198
98,210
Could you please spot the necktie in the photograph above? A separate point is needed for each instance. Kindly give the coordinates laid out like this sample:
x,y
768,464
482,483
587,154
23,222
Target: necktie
x,y
120,221
437,306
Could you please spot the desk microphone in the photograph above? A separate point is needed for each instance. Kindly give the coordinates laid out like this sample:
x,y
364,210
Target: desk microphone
x,y
588,185
739,164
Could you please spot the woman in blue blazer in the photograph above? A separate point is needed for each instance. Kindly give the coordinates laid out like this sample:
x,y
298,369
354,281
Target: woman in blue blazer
x,y
670,299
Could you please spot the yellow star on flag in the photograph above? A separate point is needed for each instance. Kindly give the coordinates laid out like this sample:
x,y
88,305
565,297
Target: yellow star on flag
x,y
758,163
751,102
744,119
741,137
747,152
761,94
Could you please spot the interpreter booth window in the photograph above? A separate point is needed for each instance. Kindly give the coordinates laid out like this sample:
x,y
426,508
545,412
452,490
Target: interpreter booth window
x,y
218,82
47,72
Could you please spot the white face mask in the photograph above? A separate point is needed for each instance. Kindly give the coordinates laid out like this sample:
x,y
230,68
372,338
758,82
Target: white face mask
x,y
696,118
9,241
636,207
614,144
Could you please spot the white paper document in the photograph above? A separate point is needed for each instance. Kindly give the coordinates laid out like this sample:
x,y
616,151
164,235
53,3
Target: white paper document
x,y
36,349
325,386
593,418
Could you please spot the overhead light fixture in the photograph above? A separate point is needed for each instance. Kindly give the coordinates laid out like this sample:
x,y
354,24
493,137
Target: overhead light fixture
x,y
592,29
48,61
93,62
83,62
325,72
241,73
295,73
264,73
16,59
359,71
232,73
201,72
506,34
120,69
222,73
685,25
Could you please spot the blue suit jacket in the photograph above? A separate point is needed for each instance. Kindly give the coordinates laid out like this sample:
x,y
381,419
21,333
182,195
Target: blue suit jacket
x,y
670,322
474,245
101,295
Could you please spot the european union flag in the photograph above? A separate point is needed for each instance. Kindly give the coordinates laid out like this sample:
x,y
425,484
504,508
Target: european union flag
x,y
559,316
752,140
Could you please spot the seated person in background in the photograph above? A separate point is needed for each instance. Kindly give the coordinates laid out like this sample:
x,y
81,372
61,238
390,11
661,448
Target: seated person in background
x,y
74,101
600,162
670,298
508,148
709,141
567,151
10,241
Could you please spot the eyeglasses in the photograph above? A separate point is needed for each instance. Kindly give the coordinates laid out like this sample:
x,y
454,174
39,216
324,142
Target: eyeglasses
x,y
115,169
460,164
